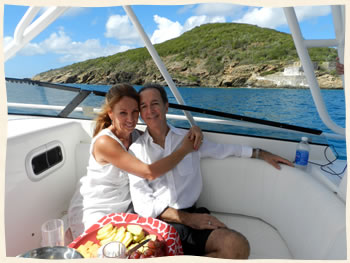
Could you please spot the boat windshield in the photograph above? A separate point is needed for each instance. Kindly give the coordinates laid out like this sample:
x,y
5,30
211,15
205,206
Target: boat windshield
x,y
82,101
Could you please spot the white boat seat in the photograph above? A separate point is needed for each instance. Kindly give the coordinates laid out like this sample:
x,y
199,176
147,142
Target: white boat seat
x,y
277,210
82,156
265,241
287,199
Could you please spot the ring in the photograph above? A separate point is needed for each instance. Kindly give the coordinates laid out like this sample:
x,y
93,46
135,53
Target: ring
x,y
209,223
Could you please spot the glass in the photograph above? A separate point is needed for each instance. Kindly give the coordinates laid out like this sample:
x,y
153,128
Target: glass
x,y
52,233
113,249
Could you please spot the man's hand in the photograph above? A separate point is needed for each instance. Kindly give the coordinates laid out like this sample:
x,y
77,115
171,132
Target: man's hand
x,y
273,159
202,221
194,220
339,67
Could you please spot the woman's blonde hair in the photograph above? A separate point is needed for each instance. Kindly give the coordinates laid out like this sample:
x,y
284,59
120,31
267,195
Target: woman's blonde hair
x,y
113,96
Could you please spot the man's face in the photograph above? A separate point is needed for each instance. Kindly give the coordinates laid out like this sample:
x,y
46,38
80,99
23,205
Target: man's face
x,y
152,108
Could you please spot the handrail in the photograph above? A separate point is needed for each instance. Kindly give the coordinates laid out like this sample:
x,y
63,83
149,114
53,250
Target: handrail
x,y
82,94
247,119
91,111
309,71
258,122
158,61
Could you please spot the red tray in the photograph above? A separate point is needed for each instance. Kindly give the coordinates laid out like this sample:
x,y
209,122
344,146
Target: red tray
x,y
162,230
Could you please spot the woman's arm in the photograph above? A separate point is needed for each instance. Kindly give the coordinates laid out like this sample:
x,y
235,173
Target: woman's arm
x,y
195,134
107,150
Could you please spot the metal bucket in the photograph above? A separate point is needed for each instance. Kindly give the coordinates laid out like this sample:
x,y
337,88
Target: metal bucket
x,y
57,252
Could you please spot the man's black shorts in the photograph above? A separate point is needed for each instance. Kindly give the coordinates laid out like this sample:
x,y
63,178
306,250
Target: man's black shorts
x,y
193,240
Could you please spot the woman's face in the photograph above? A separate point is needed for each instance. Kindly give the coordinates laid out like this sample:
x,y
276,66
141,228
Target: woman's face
x,y
124,115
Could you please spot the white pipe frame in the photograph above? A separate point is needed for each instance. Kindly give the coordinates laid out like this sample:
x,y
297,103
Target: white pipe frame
x,y
25,31
309,70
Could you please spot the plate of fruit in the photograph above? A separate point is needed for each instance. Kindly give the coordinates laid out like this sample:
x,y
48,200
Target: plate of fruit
x,y
131,230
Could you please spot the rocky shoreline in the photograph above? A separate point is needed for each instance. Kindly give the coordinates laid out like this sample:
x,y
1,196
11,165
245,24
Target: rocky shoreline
x,y
232,75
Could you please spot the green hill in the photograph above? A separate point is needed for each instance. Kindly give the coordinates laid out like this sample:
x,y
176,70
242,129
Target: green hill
x,y
206,56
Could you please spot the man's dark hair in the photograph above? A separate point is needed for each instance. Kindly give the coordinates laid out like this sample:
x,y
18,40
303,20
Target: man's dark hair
x,y
157,87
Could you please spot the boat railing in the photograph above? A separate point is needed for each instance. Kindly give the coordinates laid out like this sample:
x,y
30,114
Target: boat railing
x,y
92,112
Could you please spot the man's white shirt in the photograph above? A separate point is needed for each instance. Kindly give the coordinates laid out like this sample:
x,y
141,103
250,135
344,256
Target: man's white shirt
x,y
179,188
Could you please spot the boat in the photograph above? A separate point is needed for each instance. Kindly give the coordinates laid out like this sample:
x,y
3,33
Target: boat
x,y
285,214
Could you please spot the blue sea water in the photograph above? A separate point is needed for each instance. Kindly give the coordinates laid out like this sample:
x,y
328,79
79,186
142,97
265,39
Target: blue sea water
x,y
287,106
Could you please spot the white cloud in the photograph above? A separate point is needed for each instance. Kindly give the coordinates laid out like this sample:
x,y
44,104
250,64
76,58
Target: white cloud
x,y
73,11
274,17
307,12
68,50
168,29
218,9
184,9
7,40
194,21
91,48
264,17
120,28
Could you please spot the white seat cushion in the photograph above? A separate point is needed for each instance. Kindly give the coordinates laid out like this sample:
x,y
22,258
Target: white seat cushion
x,y
82,154
265,242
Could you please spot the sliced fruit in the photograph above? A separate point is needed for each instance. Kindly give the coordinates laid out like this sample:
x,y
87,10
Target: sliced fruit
x,y
135,229
128,238
138,238
120,234
105,229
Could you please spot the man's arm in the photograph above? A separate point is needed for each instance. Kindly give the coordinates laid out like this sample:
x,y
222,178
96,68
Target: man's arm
x,y
270,158
194,220
221,151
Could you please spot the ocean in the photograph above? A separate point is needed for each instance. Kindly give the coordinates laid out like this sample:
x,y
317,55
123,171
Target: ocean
x,y
287,106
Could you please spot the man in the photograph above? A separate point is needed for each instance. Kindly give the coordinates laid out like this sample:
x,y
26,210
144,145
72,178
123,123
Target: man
x,y
339,67
172,197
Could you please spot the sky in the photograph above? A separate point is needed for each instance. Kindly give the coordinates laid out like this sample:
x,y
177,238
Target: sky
x,y
83,33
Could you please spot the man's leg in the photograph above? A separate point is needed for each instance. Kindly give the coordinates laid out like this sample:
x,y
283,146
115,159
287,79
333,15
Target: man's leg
x,y
227,243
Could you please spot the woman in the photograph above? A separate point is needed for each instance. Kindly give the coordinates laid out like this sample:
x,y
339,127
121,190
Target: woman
x,y
105,188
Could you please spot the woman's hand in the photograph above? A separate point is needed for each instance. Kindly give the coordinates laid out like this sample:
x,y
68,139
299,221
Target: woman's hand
x,y
196,135
187,143
273,159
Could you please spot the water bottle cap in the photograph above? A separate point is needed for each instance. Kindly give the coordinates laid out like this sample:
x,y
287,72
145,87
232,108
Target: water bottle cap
x,y
304,138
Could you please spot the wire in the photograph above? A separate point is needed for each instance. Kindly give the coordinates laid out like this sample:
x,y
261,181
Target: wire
x,y
326,166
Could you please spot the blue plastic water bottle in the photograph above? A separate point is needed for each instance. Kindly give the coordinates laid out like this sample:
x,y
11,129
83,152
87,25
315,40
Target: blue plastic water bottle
x,y
302,154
